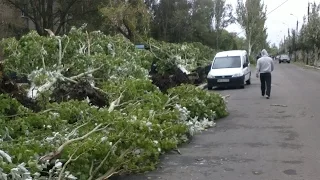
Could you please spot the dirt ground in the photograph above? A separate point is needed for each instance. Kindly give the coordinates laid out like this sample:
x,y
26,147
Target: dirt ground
x,y
262,139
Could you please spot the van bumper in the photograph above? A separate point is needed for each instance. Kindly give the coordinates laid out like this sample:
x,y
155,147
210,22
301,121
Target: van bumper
x,y
226,81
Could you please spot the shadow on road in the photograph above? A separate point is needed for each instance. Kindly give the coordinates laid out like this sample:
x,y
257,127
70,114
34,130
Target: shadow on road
x,y
225,88
221,88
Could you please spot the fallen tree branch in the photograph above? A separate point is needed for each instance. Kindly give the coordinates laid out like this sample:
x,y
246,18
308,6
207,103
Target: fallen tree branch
x,y
24,114
74,81
280,105
113,171
52,155
135,102
115,103
170,100
65,47
86,73
73,132
71,159
226,96
93,173
34,91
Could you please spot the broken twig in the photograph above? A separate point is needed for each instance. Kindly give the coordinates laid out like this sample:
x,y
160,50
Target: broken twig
x,y
280,105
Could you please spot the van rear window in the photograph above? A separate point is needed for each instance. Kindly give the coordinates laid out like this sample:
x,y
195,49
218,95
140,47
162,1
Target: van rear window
x,y
227,62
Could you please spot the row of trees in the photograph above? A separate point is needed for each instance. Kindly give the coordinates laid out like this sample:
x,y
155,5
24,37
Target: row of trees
x,y
304,44
168,20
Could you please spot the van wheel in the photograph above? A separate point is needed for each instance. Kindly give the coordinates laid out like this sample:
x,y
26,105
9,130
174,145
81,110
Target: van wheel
x,y
249,81
209,86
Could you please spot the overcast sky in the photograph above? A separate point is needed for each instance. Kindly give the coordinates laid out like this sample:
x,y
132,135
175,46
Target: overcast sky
x,y
280,19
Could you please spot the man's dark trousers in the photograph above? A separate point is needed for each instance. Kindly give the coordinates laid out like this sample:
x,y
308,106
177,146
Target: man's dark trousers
x,y
265,79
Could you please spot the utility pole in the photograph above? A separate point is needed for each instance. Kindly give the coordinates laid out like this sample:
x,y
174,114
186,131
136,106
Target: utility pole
x,y
289,39
295,42
284,43
294,38
308,11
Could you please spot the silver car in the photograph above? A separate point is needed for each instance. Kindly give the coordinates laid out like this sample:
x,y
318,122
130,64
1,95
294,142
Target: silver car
x,y
284,58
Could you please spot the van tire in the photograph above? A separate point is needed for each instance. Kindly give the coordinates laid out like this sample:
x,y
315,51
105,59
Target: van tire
x,y
249,81
209,86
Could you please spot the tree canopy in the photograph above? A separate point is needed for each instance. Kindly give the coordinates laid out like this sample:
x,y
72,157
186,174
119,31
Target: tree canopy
x,y
304,43
251,16
174,21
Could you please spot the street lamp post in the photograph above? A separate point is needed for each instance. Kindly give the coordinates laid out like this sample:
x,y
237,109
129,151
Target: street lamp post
x,y
297,27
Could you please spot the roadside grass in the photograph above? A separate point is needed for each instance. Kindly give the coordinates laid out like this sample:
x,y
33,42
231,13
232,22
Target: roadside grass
x,y
304,66
299,63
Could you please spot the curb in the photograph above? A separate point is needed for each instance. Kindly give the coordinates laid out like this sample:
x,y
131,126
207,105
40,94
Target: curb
x,y
312,67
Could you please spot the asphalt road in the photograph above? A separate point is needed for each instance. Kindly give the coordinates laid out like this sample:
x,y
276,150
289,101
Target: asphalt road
x,y
258,141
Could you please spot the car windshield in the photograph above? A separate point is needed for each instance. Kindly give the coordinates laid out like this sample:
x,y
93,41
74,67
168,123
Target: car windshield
x,y
227,62
285,56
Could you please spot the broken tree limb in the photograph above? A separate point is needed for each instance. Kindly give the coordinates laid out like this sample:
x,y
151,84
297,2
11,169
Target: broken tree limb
x,y
74,131
34,90
226,96
112,171
86,73
93,173
279,105
71,159
115,103
54,77
59,150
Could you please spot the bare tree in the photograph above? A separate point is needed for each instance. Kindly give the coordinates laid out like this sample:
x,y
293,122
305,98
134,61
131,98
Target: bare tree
x,y
50,14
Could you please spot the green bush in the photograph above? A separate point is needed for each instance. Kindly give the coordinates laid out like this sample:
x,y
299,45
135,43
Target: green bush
x,y
253,60
200,103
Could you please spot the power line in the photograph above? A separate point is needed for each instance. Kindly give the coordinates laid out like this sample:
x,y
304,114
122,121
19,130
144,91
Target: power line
x,y
269,12
277,7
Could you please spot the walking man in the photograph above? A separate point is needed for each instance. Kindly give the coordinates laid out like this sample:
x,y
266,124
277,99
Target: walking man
x,y
264,68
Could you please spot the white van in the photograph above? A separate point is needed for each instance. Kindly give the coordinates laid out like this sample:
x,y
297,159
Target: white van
x,y
230,68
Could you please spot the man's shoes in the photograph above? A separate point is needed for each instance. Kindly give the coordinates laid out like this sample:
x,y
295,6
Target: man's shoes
x,y
268,97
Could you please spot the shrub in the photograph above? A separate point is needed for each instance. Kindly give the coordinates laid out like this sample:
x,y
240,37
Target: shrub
x,y
200,103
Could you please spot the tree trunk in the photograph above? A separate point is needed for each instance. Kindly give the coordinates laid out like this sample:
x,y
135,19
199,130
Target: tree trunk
x,y
217,39
49,15
249,47
307,53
